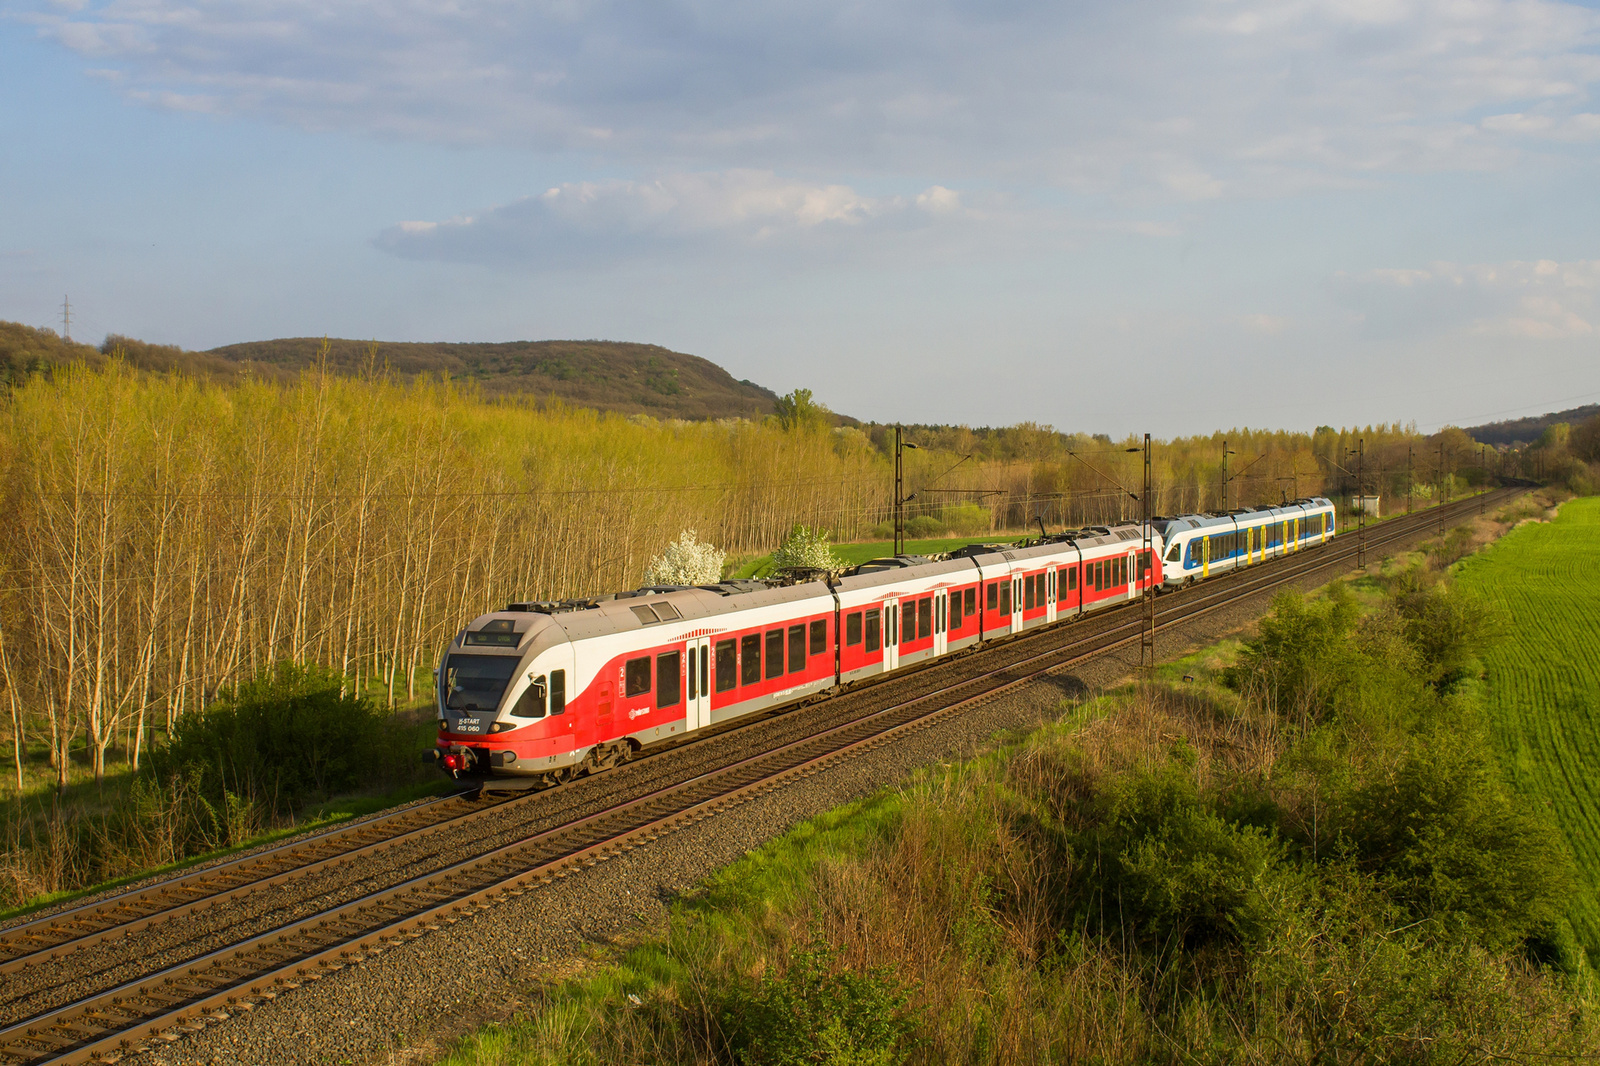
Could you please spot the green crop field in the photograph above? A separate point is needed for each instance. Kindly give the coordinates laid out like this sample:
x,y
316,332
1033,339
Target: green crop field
x,y
856,554
1544,679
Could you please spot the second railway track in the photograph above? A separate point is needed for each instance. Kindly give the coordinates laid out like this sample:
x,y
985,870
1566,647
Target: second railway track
x,y
105,1022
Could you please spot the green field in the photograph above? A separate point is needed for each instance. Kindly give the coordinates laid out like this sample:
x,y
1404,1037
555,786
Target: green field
x,y
856,554
1544,679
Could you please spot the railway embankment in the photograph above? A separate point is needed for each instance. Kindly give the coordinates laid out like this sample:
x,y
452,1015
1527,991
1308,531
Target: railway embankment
x,y
1275,848
489,964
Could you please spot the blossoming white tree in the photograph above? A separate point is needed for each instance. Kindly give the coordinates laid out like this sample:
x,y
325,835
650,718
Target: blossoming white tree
x,y
806,547
687,561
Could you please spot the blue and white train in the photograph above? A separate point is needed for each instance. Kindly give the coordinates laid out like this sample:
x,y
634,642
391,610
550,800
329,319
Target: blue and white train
x,y
1200,546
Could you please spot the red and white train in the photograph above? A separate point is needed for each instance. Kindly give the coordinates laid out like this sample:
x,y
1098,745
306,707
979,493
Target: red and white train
x,y
540,691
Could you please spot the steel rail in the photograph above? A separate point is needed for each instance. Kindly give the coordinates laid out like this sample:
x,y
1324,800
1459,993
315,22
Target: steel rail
x,y
52,935
504,870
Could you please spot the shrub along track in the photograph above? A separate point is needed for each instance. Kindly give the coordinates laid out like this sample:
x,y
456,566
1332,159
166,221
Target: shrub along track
x,y
109,1003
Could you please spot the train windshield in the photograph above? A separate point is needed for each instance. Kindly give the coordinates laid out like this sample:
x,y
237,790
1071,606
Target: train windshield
x,y
476,682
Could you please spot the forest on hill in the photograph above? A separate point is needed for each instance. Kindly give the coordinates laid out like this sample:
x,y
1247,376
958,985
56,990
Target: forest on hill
x,y
1518,432
603,375
599,375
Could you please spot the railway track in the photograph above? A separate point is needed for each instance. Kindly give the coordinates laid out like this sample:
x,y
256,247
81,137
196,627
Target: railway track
x,y
109,1022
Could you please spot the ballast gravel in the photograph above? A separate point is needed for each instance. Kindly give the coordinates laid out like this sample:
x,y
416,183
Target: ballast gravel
x,y
405,1003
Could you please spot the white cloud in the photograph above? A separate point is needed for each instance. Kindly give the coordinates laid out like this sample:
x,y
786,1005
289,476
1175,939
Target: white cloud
x,y
1540,299
1178,100
1266,325
749,209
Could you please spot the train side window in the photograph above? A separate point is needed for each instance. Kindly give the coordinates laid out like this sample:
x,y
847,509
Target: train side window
x,y
531,703
1042,581
668,677
1005,598
558,692
819,637
1072,579
955,611
1027,593
727,666
797,649
924,618
969,603
774,653
852,628
908,622
750,659
636,677
994,595
873,623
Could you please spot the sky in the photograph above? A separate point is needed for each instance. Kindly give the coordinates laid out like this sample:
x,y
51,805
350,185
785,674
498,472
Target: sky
x,y
1160,216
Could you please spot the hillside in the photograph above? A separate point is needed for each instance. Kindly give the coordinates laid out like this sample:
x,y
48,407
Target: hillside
x,y
605,375
608,375
1527,430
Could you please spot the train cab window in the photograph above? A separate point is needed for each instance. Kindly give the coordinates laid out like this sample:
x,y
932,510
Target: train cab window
x,y
819,637
994,595
774,653
531,704
636,677
558,692
727,666
797,649
852,628
750,659
1027,594
1173,553
969,601
1005,598
908,622
924,618
669,688
872,638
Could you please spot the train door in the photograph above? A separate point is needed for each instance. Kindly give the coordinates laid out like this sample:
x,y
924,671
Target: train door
x,y
1016,604
602,713
1133,575
1051,576
697,711
891,634
941,621
1205,556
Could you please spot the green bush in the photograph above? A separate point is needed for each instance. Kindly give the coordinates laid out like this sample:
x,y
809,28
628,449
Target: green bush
x,y
286,737
1447,625
816,1013
924,527
966,519
1174,869
1452,845
1302,655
